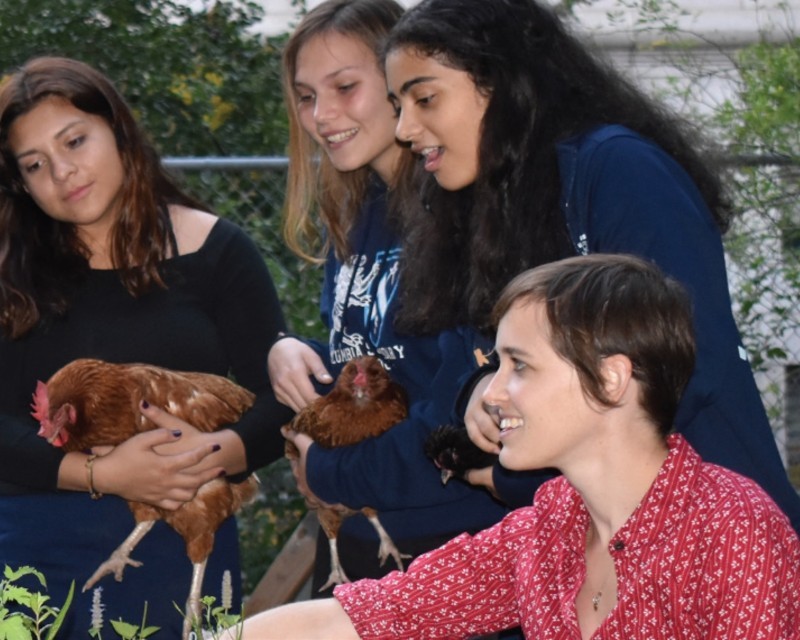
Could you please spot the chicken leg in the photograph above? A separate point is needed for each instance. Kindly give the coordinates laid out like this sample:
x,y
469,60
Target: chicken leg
x,y
387,546
192,614
121,557
330,519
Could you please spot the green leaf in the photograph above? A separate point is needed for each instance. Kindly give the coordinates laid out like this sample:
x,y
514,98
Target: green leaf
x,y
61,614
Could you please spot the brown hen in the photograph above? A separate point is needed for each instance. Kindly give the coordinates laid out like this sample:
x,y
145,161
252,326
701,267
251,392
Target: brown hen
x,y
363,403
90,403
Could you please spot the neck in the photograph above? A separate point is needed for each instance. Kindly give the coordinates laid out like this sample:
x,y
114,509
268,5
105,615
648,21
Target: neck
x,y
614,482
98,242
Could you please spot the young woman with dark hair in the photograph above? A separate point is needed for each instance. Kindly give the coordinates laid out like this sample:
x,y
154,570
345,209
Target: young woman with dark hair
x,y
103,256
535,150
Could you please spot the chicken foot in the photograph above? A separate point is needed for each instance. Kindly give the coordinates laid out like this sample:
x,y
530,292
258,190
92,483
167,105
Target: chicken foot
x,y
387,546
337,574
121,557
193,610
330,520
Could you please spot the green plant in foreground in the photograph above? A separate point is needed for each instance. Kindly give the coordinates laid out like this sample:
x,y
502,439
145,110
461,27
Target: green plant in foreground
x,y
43,621
215,619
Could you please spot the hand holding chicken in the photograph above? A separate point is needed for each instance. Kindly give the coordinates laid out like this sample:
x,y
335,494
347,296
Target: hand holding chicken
x,y
90,403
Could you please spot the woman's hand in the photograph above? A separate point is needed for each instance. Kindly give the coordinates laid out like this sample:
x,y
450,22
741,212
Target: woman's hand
x,y
134,470
482,478
290,363
481,420
228,447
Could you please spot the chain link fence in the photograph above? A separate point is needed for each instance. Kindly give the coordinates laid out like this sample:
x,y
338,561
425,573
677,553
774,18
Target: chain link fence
x,y
763,246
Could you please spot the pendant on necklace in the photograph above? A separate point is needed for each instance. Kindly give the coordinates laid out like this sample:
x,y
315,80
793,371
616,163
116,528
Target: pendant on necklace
x,y
596,600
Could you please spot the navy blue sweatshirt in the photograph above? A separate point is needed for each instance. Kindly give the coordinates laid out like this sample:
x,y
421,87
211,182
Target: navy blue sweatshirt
x,y
623,194
391,473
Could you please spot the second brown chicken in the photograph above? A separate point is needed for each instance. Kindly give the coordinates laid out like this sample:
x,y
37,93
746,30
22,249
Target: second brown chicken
x,y
363,403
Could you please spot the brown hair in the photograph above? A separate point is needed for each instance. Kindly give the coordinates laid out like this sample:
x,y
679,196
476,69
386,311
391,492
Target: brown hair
x,y
314,184
601,305
40,255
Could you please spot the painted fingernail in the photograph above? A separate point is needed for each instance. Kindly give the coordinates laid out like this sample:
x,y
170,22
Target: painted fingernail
x,y
222,473
145,404
177,433
216,447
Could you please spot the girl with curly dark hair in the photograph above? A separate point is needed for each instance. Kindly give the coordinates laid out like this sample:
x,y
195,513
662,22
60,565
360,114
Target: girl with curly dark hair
x,y
532,150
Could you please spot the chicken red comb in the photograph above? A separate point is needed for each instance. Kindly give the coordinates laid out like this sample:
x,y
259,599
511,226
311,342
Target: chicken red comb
x,y
41,403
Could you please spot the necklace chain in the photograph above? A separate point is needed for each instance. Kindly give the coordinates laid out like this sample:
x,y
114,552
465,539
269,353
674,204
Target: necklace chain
x,y
599,594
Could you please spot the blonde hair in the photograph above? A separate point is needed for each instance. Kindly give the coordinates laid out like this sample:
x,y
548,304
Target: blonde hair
x,y
319,198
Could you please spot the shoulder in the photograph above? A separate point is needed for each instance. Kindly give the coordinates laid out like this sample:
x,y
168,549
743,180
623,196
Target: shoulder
x,y
614,134
191,227
607,144
201,232
739,509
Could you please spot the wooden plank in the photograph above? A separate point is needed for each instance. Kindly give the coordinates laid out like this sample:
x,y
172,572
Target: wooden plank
x,y
289,571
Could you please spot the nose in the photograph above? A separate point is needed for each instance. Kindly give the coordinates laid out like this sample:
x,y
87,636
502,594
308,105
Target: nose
x,y
407,128
325,109
61,168
496,393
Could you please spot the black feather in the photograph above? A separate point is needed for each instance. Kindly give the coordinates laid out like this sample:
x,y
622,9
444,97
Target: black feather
x,y
454,453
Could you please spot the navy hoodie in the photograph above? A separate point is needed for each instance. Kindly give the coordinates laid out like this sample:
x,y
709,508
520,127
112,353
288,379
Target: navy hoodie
x,y
624,194
391,473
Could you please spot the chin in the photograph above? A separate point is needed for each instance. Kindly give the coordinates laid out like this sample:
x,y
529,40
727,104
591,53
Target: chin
x,y
510,461
452,184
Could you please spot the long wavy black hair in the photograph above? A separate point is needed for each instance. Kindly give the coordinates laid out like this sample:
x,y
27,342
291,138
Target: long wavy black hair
x,y
544,86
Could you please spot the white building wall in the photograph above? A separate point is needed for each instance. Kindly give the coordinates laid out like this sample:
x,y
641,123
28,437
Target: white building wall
x,y
729,21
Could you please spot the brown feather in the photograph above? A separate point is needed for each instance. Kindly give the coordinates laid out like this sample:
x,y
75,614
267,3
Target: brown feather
x,y
106,399
364,403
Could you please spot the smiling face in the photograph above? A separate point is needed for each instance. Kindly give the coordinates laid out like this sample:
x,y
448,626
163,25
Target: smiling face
x,y
341,102
440,113
70,165
546,419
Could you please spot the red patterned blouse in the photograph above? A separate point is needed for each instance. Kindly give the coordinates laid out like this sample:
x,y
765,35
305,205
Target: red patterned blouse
x,y
705,555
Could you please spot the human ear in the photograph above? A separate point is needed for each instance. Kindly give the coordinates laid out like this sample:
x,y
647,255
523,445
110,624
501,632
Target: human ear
x,y
617,371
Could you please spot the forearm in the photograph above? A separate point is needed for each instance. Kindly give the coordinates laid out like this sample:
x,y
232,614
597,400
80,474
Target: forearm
x,y
308,620
72,473
258,434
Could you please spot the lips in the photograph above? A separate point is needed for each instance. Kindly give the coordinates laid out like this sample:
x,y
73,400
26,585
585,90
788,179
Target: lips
x,y
507,425
341,136
432,157
78,193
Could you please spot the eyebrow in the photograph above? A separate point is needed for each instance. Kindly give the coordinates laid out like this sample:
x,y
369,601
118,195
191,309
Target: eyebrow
x,y
330,76
408,84
513,351
55,137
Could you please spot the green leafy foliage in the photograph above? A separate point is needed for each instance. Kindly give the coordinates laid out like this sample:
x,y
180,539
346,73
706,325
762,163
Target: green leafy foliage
x,y
200,82
764,118
766,114
26,614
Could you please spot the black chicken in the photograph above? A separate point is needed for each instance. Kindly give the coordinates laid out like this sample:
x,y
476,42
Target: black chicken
x,y
454,453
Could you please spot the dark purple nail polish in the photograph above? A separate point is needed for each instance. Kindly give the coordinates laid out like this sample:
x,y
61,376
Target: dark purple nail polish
x,y
222,474
145,404
216,447
177,433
